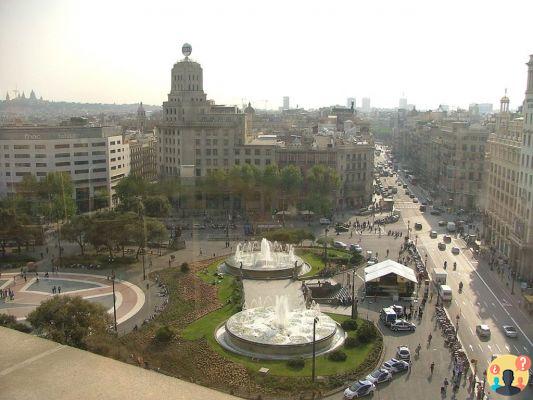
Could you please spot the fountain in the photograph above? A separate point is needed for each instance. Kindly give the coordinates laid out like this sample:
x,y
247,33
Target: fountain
x,y
277,332
265,260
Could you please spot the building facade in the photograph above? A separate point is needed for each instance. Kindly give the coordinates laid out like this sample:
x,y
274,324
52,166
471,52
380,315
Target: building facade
x,y
96,158
143,156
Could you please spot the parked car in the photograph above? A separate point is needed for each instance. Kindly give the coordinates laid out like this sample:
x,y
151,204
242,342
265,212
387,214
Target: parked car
x,y
393,365
442,246
418,226
422,208
405,186
379,375
341,228
447,238
455,250
412,196
443,223
510,331
339,245
435,212
415,200
359,389
433,234
402,325
325,221
483,331
356,247
403,353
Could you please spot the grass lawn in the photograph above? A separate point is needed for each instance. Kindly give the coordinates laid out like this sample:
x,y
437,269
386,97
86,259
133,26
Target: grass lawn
x,y
225,283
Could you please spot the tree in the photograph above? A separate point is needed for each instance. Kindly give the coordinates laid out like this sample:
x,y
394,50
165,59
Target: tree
x,y
290,182
76,230
156,206
322,183
105,230
55,192
270,184
69,320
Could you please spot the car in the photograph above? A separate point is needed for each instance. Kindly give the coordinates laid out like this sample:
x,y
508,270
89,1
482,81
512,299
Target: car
x,y
418,226
403,353
447,238
415,200
341,228
339,245
356,247
379,375
405,186
424,202
433,234
483,331
443,223
455,250
325,221
402,325
442,246
412,196
408,193
435,212
393,365
359,389
399,184
510,331
422,208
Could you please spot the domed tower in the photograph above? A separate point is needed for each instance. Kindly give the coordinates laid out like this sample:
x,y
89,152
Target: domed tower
x,y
504,117
141,118
249,113
32,96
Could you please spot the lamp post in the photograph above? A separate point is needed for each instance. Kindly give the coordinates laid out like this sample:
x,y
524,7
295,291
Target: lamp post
x,y
326,247
114,301
513,275
408,228
354,300
315,321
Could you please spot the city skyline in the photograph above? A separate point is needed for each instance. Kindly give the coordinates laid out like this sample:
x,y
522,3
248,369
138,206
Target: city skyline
x,y
56,51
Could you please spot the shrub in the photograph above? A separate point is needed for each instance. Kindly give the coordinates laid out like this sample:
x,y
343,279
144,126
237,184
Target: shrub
x,y
351,342
164,334
296,364
9,321
349,325
337,355
184,267
366,332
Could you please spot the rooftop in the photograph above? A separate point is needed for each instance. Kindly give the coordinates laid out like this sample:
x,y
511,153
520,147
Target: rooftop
x,y
34,368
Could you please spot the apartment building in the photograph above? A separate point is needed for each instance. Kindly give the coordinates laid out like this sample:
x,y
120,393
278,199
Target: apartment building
x,y
96,158
501,181
143,159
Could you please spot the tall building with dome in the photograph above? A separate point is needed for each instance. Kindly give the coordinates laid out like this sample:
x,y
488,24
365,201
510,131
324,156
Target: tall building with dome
x,y
197,136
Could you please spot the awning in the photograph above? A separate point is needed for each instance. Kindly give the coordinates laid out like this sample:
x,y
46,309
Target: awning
x,y
389,267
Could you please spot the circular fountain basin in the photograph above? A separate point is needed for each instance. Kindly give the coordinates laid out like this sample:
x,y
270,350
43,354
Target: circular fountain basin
x,y
266,270
256,333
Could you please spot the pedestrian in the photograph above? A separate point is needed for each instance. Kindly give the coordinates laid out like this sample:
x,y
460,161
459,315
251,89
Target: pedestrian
x,y
432,367
59,290
54,290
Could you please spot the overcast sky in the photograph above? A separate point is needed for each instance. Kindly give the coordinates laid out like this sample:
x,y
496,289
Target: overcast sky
x,y
317,52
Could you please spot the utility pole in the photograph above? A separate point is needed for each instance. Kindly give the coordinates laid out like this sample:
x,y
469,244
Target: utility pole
x,y
354,300
114,300
315,321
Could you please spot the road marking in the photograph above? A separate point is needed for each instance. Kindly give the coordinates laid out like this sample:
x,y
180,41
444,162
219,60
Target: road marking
x,y
525,348
464,302
499,350
471,348
472,332
480,348
486,305
518,351
495,319
493,305
508,348
490,348
456,303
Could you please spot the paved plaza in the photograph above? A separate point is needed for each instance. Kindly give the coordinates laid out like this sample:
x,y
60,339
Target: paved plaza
x,y
29,293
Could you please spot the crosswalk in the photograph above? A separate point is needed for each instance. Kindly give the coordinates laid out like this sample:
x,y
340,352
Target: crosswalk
x,y
406,204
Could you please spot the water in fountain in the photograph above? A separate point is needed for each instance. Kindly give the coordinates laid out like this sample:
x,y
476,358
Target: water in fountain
x,y
266,255
281,313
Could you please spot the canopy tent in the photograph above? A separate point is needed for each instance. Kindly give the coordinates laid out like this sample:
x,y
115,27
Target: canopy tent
x,y
389,278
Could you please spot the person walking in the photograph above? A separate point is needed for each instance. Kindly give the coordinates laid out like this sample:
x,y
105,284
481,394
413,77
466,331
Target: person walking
x,y
432,367
59,290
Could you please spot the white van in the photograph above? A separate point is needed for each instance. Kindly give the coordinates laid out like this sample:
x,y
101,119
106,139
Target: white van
x,y
445,292
451,227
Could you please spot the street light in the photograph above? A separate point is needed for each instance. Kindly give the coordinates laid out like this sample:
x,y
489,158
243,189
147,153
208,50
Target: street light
x,y
315,321
114,300
354,300
325,247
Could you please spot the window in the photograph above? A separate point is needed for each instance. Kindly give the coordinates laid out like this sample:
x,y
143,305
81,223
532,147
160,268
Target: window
x,y
21,156
81,162
81,144
99,161
40,164
62,146
41,173
237,152
81,154
257,161
23,174
257,152
98,144
24,164
62,155
40,155
21,147
98,153
247,152
99,169
62,164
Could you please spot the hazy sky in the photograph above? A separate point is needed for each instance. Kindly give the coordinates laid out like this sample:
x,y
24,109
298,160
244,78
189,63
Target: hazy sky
x,y
317,52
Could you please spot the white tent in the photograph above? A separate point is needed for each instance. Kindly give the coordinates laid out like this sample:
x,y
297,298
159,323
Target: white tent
x,y
387,267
